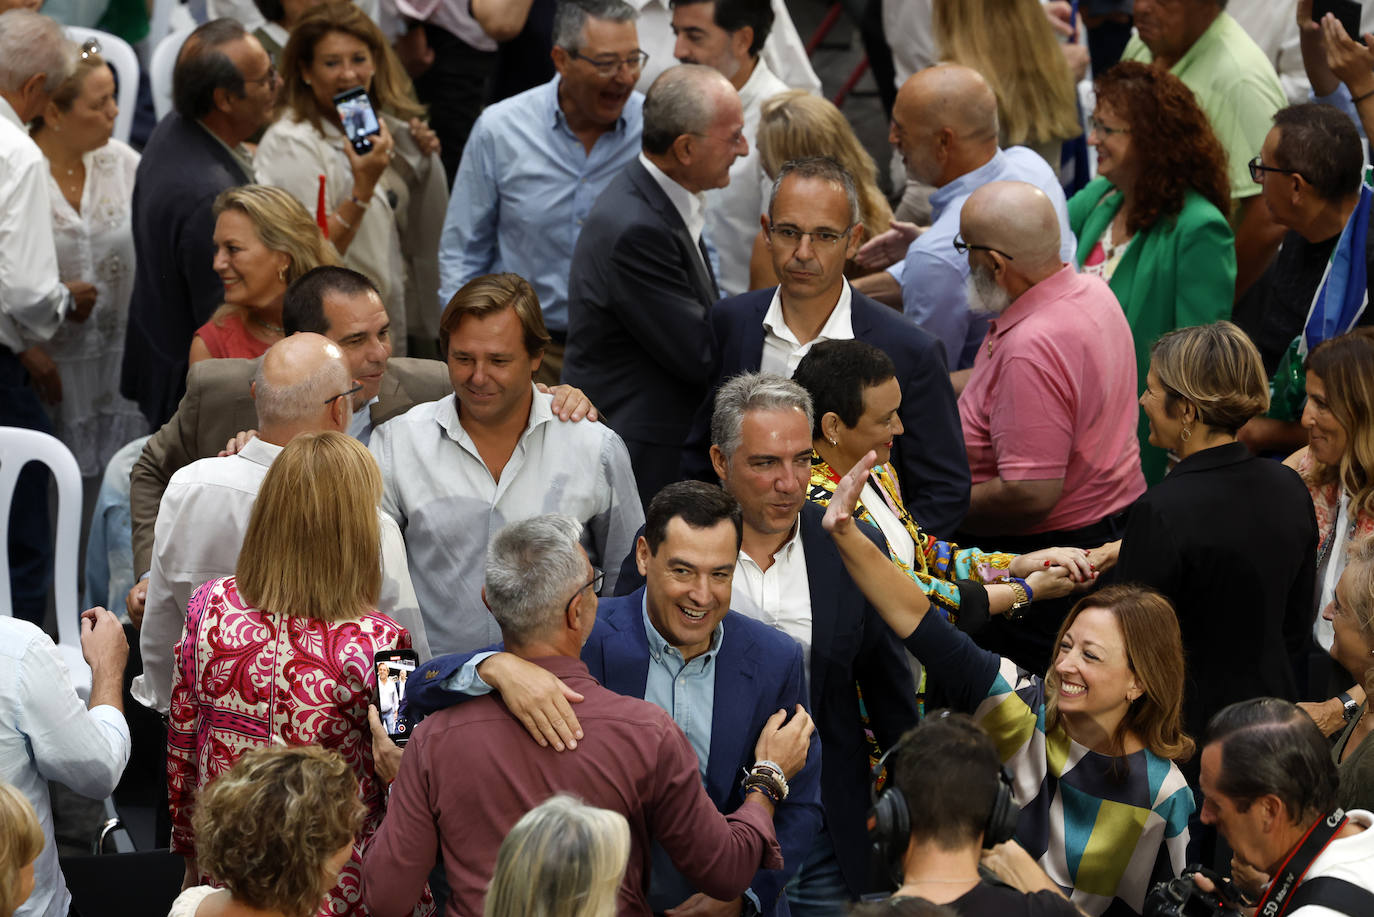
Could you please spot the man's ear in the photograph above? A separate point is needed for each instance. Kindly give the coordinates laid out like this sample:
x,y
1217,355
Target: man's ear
x,y
683,148
856,239
740,41
484,598
719,462
642,555
223,100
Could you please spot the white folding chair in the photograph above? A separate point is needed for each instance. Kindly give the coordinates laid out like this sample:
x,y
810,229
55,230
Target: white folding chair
x,y
121,57
18,447
160,72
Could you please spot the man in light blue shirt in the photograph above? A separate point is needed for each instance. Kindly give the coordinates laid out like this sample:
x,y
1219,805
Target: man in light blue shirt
x,y
535,163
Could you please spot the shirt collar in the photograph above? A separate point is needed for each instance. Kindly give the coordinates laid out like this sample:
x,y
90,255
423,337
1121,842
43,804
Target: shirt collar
x,y
240,153
756,84
553,112
9,114
1052,287
689,205
659,645
1202,47
839,326
260,452
793,543
967,183
447,416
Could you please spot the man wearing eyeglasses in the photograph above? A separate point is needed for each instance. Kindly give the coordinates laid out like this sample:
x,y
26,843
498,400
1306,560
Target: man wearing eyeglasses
x,y
535,163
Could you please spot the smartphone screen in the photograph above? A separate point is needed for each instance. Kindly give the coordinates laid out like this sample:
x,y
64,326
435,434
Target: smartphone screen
x,y
393,668
1347,11
358,118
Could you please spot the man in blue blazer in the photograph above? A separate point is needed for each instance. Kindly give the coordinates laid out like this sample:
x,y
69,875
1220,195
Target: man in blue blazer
x,y
673,642
812,229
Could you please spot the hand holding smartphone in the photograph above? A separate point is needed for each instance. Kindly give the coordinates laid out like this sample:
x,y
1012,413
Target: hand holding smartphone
x,y
358,117
1347,11
393,668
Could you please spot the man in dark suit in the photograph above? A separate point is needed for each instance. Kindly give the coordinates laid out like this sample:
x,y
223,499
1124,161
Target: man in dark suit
x,y
641,282
224,88
812,229
721,675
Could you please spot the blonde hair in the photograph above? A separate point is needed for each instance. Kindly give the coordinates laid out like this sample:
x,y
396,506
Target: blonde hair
x,y
1011,44
563,858
67,91
323,489
1359,566
798,125
1345,365
21,840
1217,368
266,827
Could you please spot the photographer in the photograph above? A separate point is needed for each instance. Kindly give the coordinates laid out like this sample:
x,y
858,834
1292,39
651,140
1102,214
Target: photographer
x,y
1270,788
946,800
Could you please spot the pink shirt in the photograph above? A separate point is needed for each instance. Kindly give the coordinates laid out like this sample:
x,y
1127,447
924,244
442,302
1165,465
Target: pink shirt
x,y
1052,395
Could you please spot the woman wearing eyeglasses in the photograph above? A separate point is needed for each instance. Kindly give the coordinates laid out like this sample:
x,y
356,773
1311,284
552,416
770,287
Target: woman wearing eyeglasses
x,y
1153,223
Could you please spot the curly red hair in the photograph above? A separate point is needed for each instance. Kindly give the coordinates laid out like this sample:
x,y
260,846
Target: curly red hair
x,y
1173,141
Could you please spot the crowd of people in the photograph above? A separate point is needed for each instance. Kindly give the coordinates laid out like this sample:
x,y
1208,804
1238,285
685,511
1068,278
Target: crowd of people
x,y
559,473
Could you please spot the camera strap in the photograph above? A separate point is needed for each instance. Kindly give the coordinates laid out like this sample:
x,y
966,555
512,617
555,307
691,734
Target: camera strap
x,y
1279,898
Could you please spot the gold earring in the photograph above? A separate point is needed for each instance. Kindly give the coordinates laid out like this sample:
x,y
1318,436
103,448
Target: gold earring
x,y
281,275
1186,433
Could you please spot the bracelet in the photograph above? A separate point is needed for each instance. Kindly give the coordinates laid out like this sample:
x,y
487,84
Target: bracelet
x,y
361,205
774,784
759,788
339,216
1030,594
774,766
1360,98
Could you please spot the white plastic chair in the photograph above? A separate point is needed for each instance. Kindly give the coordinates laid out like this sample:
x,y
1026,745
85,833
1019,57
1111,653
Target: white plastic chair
x,y
160,72
119,54
18,447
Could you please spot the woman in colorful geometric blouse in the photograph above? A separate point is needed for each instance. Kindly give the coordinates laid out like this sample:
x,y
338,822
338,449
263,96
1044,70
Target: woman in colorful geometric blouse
x,y
282,652
1090,747
855,396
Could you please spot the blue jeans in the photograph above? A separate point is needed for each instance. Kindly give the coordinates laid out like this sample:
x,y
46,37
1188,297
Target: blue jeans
x,y
818,889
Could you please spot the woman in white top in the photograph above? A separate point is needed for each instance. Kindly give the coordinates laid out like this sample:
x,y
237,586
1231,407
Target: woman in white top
x,y
385,207
91,183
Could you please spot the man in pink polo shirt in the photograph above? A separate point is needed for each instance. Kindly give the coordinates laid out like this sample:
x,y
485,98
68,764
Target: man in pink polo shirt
x,y
1049,408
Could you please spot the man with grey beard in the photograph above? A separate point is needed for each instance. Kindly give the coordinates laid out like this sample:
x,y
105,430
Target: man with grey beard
x,y
1049,408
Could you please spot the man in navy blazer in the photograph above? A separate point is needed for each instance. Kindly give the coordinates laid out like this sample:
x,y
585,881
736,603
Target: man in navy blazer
x,y
700,650
812,229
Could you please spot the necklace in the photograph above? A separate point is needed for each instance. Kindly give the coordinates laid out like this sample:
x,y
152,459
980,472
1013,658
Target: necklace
x,y
268,325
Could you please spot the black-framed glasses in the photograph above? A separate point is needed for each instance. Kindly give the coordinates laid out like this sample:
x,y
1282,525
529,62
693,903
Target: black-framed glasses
x,y
1097,127
1257,170
596,582
89,48
609,66
357,387
792,236
963,248
270,78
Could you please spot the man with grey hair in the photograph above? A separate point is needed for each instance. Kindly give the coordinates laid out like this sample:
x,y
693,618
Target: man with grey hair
x,y
470,771
536,162
302,386
812,229
641,282
34,59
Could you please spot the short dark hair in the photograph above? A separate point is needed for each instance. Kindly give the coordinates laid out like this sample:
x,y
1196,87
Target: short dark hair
x,y
949,773
1270,747
202,68
1322,144
733,15
700,505
835,374
302,307
493,293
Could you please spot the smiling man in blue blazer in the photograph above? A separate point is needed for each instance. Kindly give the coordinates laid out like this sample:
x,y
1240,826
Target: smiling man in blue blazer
x,y
674,642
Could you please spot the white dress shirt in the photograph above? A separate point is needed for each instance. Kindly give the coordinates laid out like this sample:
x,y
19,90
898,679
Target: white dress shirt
x,y
449,506
32,299
46,733
779,596
781,349
200,527
691,207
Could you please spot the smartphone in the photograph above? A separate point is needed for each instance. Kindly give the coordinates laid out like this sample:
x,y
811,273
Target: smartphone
x,y
358,118
1347,11
392,668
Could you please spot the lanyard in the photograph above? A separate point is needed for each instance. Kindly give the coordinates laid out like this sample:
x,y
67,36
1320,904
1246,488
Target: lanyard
x,y
1276,900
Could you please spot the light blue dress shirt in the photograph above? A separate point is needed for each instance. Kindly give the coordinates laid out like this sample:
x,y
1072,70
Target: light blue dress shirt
x,y
523,188
934,275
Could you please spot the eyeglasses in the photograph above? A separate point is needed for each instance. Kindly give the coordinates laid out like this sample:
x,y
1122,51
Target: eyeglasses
x,y
357,387
963,248
1097,127
609,66
791,236
1257,170
596,582
89,48
269,79
733,140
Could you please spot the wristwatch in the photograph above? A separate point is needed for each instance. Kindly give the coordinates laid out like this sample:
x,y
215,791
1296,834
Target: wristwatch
x,y
1350,707
1020,600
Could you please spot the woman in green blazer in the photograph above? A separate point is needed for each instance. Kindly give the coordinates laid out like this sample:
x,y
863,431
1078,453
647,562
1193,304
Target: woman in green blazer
x,y
1153,224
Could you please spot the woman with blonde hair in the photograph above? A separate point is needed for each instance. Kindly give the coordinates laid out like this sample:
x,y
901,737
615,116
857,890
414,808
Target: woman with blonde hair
x,y
798,125
563,858
1351,615
21,840
283,651
264,241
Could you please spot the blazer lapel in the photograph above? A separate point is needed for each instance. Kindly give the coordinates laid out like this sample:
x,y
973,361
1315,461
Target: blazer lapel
x,y
751,336
696,259
731,714
626,649
824,588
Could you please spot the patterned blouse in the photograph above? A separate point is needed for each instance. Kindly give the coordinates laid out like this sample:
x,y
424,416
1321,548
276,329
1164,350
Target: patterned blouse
x,y
246,678
939,565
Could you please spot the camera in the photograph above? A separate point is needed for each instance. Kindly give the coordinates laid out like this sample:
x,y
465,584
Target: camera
x,y
1181,897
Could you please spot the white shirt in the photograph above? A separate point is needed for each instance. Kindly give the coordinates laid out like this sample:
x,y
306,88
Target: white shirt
x,y
783,49
732,212
449,506
691,207
898,539
1330,573
779,596
46,733
1348,858
781,349
910,35
32,300
200,527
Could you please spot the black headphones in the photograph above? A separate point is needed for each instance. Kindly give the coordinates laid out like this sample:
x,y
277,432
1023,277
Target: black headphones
x,y
889,819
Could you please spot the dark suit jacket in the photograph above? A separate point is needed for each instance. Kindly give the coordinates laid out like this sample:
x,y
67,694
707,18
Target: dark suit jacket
x,y
758,672
849,644
217,405
1232,540
638,340
930,459
182,171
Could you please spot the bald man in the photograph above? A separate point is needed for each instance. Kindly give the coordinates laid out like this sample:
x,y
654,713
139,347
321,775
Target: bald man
x,y
1049,410
303,385
945,126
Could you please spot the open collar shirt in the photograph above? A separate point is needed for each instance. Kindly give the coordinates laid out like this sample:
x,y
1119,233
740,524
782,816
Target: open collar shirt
x,y
781,349
779,596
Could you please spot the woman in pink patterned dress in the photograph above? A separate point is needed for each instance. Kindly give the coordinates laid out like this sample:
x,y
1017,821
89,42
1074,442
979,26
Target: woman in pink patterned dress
x,y
282,653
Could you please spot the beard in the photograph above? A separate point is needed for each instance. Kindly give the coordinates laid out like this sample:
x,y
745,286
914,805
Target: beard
x,y
984,295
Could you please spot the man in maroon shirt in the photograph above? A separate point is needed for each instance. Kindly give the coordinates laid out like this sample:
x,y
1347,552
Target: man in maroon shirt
x,y
470,772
